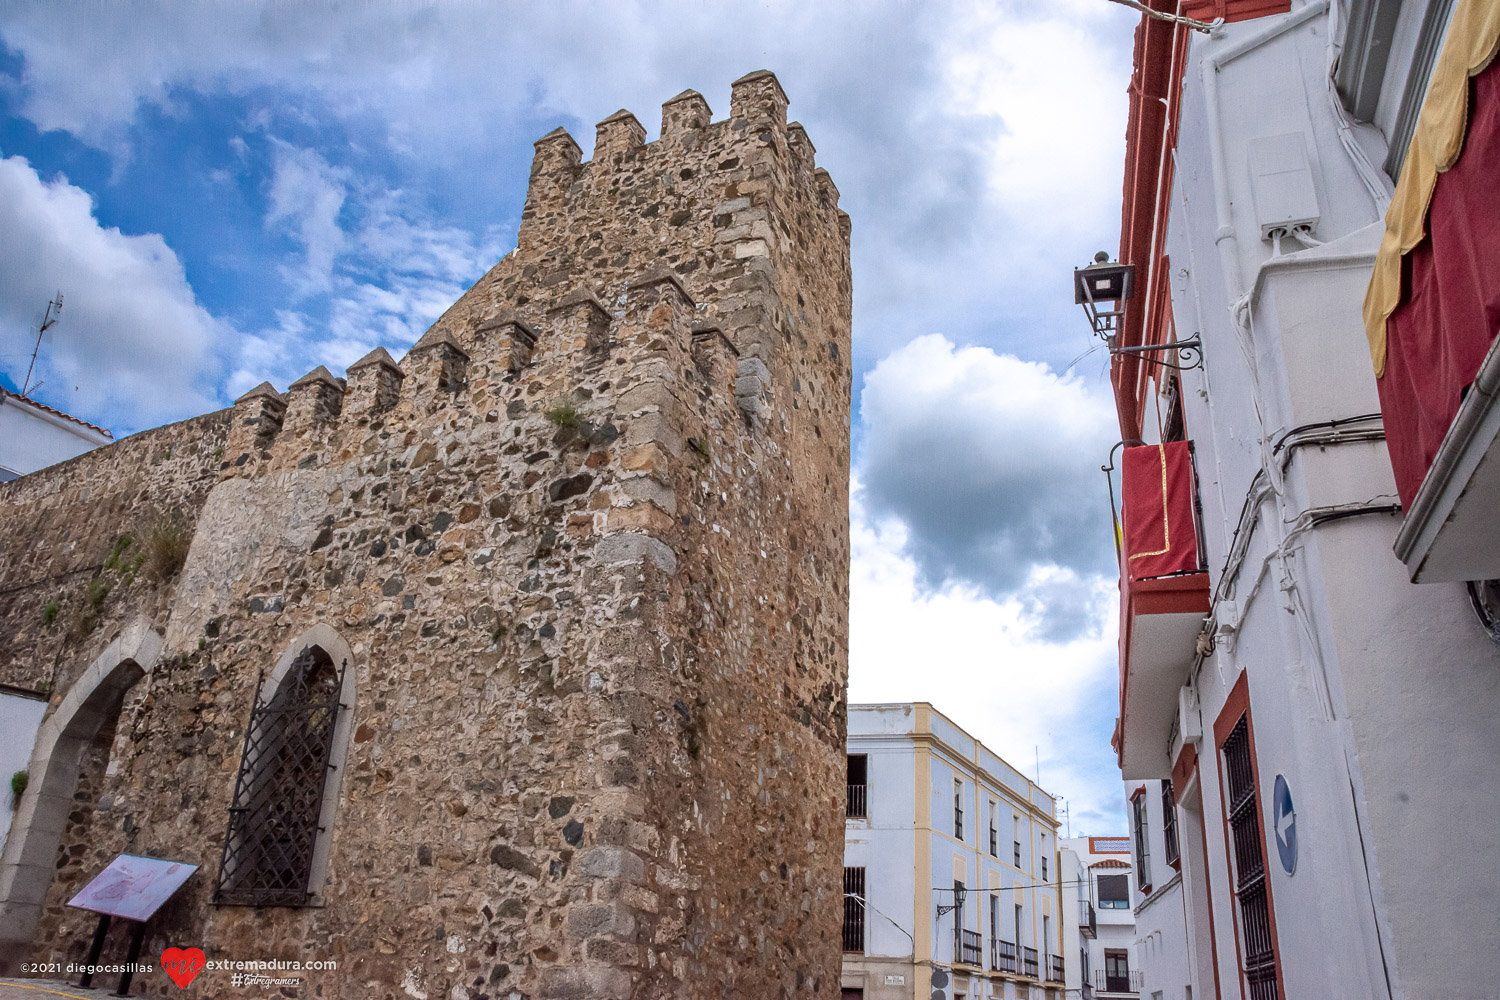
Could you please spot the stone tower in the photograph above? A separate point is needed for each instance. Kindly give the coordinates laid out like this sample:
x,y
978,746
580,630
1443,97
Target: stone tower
x,y
583,558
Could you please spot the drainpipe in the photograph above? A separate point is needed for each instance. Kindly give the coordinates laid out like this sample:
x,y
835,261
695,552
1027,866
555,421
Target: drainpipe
x,y
1224,236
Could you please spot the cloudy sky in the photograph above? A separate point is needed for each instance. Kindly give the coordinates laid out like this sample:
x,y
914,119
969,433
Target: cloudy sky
x,y
227,193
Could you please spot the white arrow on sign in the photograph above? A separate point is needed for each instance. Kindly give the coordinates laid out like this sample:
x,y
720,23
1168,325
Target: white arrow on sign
x,y
1284,825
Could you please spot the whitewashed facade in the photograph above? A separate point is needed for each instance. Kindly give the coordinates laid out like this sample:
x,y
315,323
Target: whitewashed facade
x,y
1099,899
1328,726
34,436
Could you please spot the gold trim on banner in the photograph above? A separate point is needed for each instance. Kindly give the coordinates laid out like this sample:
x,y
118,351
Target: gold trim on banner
x,y
1166,527
1473,39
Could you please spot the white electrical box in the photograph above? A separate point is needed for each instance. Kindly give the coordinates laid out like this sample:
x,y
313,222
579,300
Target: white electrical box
x,y
1281,184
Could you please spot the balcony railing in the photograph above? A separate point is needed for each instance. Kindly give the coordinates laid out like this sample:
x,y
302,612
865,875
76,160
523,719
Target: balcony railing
x,y
856,802
1087,924
1055,969
971,948
1129,982
1003,956
1029,964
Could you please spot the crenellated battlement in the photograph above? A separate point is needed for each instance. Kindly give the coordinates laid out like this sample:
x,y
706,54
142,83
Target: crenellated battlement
x,y
655,316
714,216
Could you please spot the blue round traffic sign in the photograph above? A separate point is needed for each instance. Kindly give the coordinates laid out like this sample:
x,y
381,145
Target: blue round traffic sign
x,y
1284,825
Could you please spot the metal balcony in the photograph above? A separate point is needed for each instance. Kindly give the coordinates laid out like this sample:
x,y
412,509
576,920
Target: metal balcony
x,y
855,803
1029,963
1130,982
1055,969
1088,924
971,949
1003,956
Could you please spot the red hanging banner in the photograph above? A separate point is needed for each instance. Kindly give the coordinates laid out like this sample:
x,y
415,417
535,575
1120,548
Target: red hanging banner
x,y
1161,534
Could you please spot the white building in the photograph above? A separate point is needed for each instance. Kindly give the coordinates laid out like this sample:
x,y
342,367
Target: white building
x,y
1162,950
1313,203
935,818
34,436
1099,894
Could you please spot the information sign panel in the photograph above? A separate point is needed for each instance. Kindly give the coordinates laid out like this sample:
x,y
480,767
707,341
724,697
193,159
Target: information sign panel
x,y
133,887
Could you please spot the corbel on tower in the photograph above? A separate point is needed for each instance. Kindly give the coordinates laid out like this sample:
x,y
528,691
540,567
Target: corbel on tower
x,y
757,99
579,322
314,400
801,145
657,305
684,114
435,365
714,354
257,420
828,192
506,338
374,385
619,133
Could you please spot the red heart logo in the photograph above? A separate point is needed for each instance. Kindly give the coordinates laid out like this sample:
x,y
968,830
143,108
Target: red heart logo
x,y
183,964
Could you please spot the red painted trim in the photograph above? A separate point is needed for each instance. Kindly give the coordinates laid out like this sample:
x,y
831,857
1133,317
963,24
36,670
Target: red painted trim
x,y
1235,706
1234,10
1182,771
1208,885
1137,793
1159,62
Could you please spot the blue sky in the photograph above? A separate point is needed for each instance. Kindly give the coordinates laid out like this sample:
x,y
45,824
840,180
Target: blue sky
x,y
231,193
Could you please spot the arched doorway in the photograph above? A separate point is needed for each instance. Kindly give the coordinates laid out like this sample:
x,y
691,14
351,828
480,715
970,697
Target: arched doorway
x,y
64,739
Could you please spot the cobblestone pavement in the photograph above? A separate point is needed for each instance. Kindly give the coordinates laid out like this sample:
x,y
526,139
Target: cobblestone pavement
x,y
43,989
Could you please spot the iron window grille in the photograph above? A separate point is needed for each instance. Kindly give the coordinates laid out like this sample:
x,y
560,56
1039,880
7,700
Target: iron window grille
x,y
856,802
854,910
278,796
1044,867
958,810
1142,844
1169,823
1250,888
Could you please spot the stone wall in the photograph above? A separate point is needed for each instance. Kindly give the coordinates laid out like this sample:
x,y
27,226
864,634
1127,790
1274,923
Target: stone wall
x,y
587,545
59,527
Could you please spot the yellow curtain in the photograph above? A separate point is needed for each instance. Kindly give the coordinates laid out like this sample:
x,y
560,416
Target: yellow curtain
x,y
1473,39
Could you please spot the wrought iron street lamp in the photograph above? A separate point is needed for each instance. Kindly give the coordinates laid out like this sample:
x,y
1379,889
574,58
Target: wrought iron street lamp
x,y
1103,288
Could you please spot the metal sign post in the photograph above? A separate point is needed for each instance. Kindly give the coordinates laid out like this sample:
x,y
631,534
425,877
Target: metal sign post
x,y
131,888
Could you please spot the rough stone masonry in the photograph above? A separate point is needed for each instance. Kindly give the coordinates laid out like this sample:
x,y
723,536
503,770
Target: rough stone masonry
x,y
583,554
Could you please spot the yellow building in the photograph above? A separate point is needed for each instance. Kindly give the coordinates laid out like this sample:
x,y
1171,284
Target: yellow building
x,y
950,866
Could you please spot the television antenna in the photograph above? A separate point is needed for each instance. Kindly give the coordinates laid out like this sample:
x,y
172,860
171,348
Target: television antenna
x,y
54,309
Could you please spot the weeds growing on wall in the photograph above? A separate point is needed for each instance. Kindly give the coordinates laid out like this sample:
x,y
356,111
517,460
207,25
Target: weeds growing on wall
x,y
565,415
166,548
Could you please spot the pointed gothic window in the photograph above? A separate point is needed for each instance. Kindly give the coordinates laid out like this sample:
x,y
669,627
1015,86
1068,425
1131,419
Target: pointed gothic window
x,y
275,819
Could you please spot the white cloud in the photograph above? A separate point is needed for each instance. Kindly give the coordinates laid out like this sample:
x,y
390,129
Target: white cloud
x,y
965,136
307,195
133,347
377,268
979,661
992,463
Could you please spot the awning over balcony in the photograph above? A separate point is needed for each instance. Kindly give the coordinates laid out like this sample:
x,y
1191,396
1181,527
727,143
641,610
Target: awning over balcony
x,y
1433,311
1164,599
